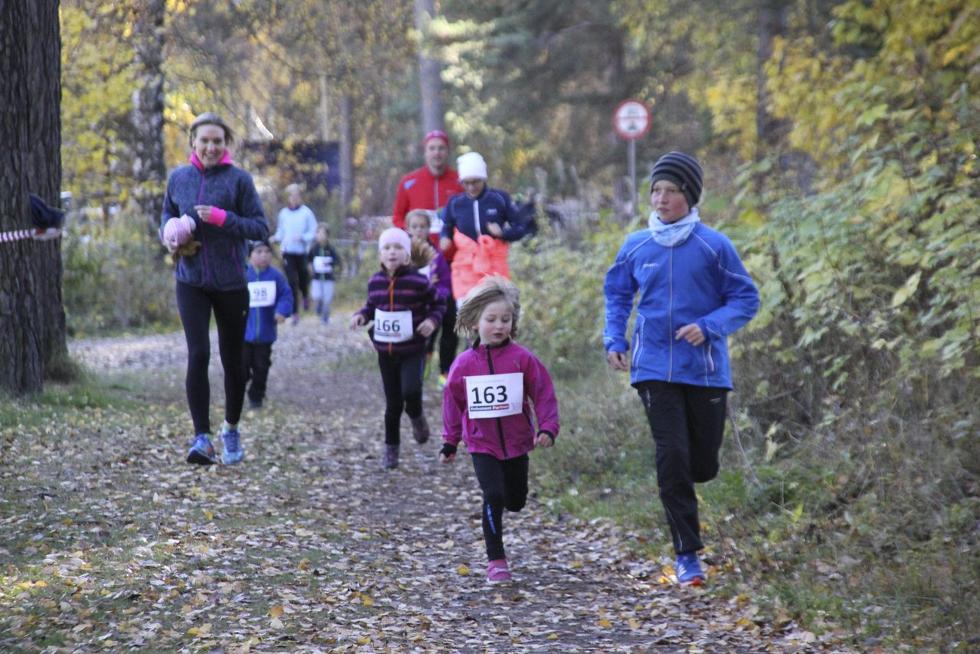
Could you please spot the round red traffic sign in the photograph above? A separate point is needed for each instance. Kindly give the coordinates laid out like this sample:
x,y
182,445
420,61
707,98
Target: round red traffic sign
x,y
631,119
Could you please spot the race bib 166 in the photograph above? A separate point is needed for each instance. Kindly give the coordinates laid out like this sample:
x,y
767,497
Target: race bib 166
x,y
392,326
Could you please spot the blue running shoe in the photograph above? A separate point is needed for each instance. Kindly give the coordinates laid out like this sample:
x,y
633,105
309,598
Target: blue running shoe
x,y
232,442
688,568
202,451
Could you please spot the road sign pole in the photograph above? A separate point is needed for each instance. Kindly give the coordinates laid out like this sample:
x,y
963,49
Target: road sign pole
x,y
631,154
631,121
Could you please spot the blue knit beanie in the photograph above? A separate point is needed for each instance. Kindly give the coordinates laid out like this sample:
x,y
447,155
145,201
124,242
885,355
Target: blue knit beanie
x,y
681,169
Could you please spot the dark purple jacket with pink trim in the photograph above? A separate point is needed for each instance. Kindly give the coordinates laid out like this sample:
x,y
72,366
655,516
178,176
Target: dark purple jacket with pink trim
x,y
220,263
406,290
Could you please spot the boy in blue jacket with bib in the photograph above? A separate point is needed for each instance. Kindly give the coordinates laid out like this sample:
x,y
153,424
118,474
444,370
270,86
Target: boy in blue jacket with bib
x,y
693,292
270,303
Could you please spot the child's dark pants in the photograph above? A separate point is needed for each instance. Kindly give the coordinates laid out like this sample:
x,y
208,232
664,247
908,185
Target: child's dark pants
x,y
504,486
258,360
687,423
401,376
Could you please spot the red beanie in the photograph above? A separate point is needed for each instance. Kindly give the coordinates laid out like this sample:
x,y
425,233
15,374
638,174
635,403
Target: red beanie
x,y
436,134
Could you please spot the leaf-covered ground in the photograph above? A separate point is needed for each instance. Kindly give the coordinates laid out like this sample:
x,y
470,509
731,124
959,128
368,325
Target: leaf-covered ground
x,y
110,542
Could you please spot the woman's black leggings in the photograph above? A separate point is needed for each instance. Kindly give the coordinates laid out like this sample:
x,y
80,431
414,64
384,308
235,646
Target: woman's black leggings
x,y
230,313
401,376
298,277
446,335
504,486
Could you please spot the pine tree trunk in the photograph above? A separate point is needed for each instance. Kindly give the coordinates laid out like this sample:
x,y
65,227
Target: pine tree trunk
x,y
430,70
149,169
32,318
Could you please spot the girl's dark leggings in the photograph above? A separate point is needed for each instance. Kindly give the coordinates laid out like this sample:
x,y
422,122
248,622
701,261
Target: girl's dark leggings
x,y
687,423
401,376
230,313
504,486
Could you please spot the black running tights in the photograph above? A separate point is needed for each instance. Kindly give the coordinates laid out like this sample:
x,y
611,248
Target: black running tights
x,y
230,313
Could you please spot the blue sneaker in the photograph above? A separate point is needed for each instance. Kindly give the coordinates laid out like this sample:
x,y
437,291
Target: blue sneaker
x,y
688,568
202,451
232,442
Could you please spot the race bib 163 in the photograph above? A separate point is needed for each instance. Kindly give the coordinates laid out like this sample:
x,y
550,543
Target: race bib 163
x,y
494,396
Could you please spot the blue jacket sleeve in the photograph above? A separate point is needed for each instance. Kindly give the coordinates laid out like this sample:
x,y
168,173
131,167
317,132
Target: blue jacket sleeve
x,y
284,296
448,220
739,294
620,288
516,228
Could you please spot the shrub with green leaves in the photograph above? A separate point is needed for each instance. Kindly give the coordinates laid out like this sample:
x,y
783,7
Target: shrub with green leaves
x,y
116,278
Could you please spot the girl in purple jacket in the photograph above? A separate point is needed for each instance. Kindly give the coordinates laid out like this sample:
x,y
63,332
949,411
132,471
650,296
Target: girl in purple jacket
x,y
488,403
404,309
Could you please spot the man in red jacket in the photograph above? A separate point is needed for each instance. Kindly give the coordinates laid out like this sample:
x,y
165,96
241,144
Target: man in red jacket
x,y
428,187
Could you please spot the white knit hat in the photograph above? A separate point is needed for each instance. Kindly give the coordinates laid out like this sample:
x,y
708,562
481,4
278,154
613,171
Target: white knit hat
x,y
471,166
395,235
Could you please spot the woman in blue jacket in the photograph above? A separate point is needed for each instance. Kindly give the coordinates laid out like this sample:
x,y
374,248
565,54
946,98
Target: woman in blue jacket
x,y
694,292
210,209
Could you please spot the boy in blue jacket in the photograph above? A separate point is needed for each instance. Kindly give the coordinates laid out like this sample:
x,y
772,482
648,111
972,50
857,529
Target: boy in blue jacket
x,y
270,303
694,292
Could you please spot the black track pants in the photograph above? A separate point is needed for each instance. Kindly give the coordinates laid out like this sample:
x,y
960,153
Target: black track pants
x,y
687,423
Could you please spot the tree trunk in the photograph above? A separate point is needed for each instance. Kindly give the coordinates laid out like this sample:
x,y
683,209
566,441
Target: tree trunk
x,y
346,152
32,318
772,23
430,70
324,109
149,169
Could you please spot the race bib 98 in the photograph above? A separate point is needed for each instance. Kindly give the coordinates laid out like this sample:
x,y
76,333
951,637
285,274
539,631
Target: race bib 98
x,y
261,294
494,396
392,326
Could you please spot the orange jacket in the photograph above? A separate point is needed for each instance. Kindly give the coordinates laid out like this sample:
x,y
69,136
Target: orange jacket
x,y
477,259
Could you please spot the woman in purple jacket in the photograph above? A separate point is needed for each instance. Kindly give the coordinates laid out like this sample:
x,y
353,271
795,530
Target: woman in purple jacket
x,y
405,309
210,210
488,402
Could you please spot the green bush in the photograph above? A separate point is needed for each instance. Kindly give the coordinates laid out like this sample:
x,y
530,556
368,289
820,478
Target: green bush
x,y
116,279
561,296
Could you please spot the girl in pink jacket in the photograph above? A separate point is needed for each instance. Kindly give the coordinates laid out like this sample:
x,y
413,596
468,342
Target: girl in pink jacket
x,y
492,391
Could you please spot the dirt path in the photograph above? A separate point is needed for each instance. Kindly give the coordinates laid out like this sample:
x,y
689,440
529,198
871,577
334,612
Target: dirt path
x,y
111,543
